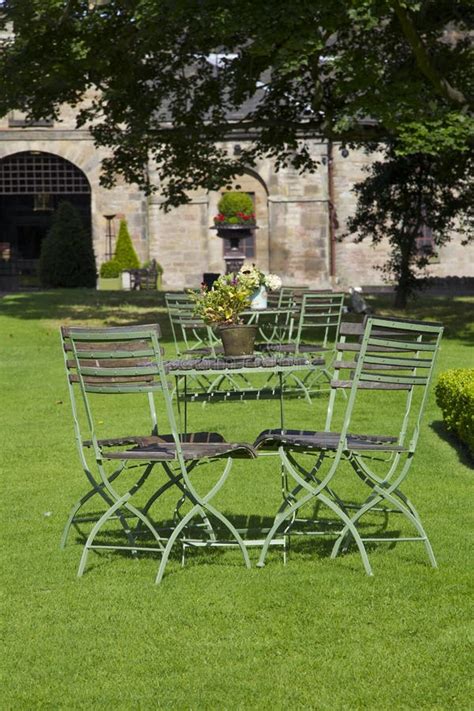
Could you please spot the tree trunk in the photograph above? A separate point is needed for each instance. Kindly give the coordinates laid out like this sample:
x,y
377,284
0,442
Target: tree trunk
x,y
405,275
401,297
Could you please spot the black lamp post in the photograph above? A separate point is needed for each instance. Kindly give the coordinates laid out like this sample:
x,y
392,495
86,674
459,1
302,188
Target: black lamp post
x,y
109,235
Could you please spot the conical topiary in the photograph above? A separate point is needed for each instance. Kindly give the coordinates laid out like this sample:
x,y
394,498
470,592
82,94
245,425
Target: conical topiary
x,y
125,254
67,255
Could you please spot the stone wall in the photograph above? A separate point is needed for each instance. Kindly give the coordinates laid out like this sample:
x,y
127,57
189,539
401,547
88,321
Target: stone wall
x,y
292,212
356,264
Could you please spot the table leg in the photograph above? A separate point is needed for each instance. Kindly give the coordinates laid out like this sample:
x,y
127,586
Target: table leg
x,y
280,377
185,404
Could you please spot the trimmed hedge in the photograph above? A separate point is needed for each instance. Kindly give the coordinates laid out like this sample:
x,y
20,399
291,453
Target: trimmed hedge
x,y
125,254
455,396
110,269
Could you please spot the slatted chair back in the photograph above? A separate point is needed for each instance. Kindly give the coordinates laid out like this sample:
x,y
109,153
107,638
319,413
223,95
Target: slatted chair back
x,y
290,295
320,318
392,355
114,361
186,328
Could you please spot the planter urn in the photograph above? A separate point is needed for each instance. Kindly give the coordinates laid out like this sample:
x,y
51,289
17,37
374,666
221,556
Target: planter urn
x,y
234,233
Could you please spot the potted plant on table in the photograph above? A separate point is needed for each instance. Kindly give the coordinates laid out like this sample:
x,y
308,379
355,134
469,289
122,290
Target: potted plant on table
x,y
221,307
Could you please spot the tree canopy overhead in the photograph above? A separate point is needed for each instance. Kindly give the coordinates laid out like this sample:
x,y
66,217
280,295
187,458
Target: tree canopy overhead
x,y
171,79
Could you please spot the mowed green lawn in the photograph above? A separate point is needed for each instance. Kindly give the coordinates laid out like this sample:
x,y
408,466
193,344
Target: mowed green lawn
x,y
315,634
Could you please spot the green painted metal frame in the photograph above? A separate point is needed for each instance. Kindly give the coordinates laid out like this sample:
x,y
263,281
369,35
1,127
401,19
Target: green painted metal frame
x,y
321,316
393,355
275,323
318,315
85,368
186,327
98,485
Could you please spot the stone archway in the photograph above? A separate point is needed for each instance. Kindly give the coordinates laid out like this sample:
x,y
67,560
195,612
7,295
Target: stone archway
x,y
32,184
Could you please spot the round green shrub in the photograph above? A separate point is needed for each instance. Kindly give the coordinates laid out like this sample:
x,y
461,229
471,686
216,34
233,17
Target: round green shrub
x,y
67,255
233,202
110,269
125,254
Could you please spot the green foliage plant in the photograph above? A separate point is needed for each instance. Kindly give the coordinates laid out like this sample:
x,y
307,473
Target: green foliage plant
x,y
321,70
223,303
125,254
110,269
235,208
67,255
455,396
233,202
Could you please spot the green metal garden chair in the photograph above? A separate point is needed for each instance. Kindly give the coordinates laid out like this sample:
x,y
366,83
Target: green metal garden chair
x,y
319,320
389,373
125,363
187,329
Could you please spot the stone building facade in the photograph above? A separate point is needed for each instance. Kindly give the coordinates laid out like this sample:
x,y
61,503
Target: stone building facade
x,y
298,230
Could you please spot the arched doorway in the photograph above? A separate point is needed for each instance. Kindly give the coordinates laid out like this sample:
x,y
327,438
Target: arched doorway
x,y
32,184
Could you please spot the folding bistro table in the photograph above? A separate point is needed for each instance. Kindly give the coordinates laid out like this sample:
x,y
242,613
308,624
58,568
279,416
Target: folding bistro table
x,y
226,368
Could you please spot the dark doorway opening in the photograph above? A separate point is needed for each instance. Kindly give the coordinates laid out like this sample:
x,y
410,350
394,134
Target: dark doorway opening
x,y
32,185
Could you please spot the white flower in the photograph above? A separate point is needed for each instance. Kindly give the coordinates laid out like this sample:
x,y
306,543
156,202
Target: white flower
x,y
250,276
272,282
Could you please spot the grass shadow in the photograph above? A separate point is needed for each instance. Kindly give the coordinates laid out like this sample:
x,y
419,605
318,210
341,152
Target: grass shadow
x,y
454,312
86,306
464,455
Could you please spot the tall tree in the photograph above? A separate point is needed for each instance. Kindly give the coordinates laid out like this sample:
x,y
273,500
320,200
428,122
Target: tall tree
x,y
170,79
401,198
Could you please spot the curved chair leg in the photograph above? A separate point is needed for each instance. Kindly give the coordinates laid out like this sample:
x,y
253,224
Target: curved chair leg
x,y
234,532
412,517
98,525
121,502
72,514
171,540
201,507
290,509
98,490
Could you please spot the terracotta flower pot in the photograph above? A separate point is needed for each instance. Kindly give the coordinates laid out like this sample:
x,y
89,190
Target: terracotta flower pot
x,y
238,340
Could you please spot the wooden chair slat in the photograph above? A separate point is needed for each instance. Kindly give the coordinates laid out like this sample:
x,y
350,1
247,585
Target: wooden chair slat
x,y
370,385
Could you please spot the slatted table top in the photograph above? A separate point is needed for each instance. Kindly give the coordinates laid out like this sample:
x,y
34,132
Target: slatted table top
x,y
243,364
